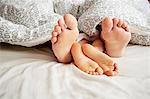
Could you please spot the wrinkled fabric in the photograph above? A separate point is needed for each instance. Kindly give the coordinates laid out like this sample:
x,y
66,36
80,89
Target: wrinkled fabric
x,y
135,12
31,22
33,73
27,22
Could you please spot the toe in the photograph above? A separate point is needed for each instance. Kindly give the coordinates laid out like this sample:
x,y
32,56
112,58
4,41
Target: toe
x,y
127,29
116,69
107,24
99,70
113,72
94,65
93,73
120,22
54,34
57,29
124,25
115,22
111,67
61,23
70,21
90,73
54,40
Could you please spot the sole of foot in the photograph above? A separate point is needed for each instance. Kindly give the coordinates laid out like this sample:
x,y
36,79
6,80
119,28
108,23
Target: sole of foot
x,y
110,68
116,36
83,62
63,36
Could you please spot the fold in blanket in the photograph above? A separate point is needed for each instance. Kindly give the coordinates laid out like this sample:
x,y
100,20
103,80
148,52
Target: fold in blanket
x,y
31,22
27,23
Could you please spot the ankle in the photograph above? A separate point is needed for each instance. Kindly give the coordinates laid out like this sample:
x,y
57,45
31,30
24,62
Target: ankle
x,y
115,53
65,60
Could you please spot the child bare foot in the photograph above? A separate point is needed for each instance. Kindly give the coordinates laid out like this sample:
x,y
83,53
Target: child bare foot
x,y
113,72
84,63
63,36
116,36
103,60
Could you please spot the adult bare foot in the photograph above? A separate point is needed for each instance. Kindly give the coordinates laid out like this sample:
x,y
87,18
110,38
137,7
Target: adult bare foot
x,y
84,63
116,36
63,36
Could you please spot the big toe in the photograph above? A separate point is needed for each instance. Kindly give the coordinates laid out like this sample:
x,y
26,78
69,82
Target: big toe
x,y
70,21
107,24
113,72
99,70
115,22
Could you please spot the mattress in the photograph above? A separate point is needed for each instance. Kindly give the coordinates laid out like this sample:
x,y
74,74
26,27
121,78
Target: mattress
x,y
34,73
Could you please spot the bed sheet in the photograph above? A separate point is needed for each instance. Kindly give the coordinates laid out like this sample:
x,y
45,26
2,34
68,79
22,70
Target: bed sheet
x,y
33,73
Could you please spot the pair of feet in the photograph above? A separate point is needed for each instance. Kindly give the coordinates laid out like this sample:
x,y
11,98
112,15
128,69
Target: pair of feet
x,y
88,58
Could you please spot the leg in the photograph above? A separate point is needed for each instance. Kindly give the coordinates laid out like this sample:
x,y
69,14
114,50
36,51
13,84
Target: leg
x,y
83,62
63,36
116,36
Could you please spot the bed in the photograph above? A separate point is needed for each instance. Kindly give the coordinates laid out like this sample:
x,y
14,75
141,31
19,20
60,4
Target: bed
x,y
33,73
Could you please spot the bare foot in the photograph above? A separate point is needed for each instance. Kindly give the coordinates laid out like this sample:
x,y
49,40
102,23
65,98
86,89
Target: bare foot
x,y
116,36
84,63
63,36
113,72
104,61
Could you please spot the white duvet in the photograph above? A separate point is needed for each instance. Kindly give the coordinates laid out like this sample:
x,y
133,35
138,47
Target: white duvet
x,y
32,73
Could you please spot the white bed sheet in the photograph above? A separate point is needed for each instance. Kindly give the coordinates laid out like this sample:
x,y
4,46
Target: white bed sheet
x,y
32,73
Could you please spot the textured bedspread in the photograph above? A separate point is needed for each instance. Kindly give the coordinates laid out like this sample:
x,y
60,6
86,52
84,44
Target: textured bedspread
x,y
32,73
31,22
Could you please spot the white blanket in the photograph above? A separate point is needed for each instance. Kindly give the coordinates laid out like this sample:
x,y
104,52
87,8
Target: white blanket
x,y
32,73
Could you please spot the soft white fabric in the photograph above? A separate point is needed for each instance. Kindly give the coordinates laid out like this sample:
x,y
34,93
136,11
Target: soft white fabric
x,y
32,73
